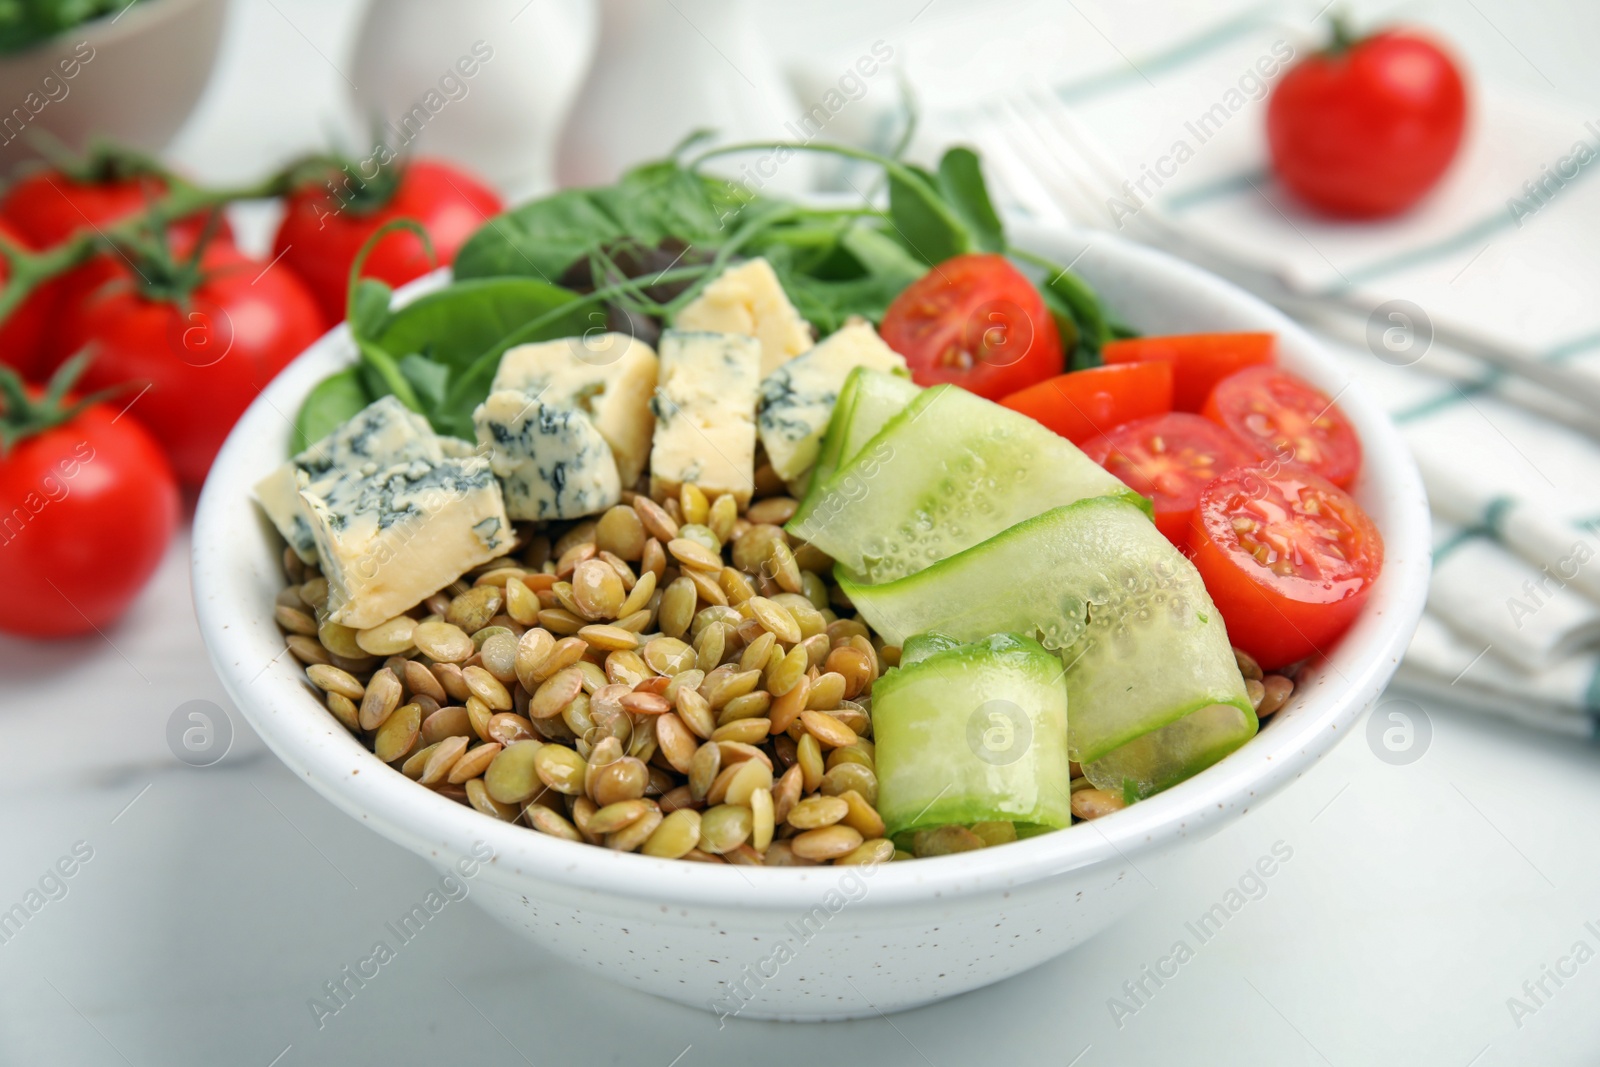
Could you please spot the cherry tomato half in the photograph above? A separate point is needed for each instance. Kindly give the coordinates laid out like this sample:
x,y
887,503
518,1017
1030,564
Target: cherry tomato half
x,y
1287,556
977,322
1364,130
1170,459
1086,403
88,508
321,233
1286,418
1199,361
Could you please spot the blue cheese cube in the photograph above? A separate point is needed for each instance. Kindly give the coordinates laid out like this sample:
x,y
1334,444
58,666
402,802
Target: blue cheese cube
x,y
608,377
383,433
391,538
797,399
551,460
705,410
747,298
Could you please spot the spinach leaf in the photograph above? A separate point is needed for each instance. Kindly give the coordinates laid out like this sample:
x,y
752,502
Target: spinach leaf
x,y
961,182
468,388
650,203
330,402
369,307
457,324
541,238
428,379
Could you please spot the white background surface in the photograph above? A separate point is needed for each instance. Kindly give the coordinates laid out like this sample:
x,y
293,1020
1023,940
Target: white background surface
x,y
218,901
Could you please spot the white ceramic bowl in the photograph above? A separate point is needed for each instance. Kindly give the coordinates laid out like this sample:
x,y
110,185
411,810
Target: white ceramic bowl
x,y
136,77
817,943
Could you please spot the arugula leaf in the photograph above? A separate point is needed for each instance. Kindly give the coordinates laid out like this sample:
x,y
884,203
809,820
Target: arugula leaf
x,y
839,267
661,200
331,401
922,219
961,182
1077,310
882,256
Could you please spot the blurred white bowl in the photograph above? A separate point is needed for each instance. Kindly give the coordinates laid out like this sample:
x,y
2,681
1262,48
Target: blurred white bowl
x,y
821,942
134,78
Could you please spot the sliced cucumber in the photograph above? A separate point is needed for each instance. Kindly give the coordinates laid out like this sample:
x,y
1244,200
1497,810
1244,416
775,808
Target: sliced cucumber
x,y
1142,643
868,400
973,733
921,646
1178,750
949,471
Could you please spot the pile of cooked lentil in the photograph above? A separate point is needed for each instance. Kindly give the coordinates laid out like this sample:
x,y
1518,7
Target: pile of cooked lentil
x,y
674,678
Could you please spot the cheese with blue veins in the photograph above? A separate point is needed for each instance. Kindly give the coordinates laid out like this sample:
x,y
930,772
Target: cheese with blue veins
x,y
747,298
797,399
608,376
390,538
705,409
551,460
383,433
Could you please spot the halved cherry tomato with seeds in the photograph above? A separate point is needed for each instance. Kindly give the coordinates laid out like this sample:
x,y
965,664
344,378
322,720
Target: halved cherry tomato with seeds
x,y
1086,403
1199,360
1288,557
977,322
1285,418
1170,459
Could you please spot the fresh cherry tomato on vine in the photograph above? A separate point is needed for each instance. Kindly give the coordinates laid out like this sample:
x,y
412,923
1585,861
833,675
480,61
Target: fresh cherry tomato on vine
x,y
1366,128
88,505
977,322
22,333
206,337
1288,557
48,207
323,228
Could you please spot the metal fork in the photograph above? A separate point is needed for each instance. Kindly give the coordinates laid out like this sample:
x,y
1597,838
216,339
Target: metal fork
x,y
1052,163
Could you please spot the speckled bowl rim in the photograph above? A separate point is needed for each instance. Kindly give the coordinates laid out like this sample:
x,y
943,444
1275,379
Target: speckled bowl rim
x,y
235,575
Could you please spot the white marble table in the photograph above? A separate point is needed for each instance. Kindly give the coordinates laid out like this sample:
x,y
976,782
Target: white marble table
x,y
216,902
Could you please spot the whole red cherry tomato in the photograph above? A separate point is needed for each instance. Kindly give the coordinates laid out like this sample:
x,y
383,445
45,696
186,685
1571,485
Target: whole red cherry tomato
x,y
87,507
323,228
1367,127
205,336
977,322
